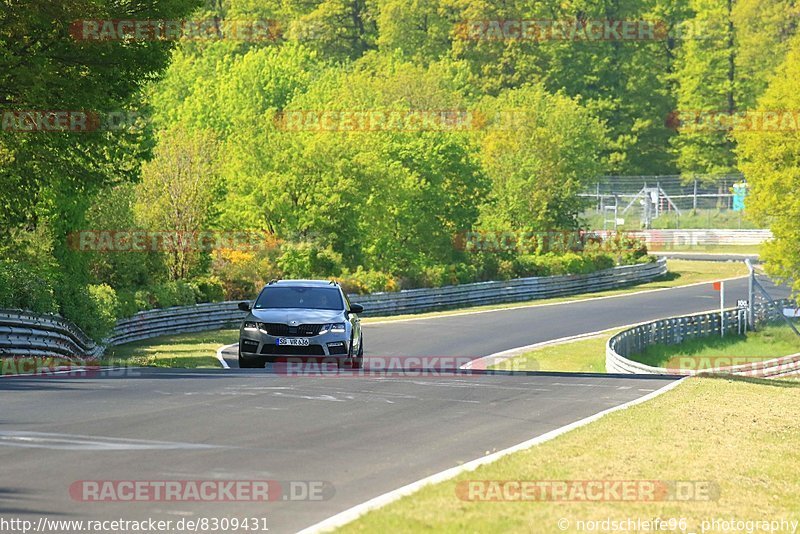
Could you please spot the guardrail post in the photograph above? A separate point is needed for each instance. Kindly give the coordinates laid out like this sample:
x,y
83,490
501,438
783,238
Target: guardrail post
x,y
751,294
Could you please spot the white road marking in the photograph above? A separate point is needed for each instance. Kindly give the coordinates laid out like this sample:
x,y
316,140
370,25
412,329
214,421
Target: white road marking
x,y
330,398
357,511
221,358
49,440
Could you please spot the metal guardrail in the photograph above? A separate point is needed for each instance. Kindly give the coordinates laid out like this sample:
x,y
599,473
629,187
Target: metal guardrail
x,y
626,344
213,316
26,334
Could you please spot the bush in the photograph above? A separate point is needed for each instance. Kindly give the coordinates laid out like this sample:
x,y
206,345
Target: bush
x,y
176,293
530,265
105,307
361,282
626,249
243,274
307,260
93,308
26,287
127,303
211,289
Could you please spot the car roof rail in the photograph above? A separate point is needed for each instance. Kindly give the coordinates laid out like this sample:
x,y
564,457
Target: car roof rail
x,y
333,282
273,281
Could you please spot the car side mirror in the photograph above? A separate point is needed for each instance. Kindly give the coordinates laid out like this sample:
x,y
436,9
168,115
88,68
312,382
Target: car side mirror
x,y
356,308
244,306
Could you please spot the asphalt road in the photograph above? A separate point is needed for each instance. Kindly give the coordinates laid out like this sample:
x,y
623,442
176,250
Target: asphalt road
x,y
366,436
363,435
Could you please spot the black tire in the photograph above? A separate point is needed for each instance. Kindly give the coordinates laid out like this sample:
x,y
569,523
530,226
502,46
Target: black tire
x,y
351,362
245,364
358,361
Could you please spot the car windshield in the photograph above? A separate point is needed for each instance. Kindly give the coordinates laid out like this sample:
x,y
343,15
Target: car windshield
x,y
317,298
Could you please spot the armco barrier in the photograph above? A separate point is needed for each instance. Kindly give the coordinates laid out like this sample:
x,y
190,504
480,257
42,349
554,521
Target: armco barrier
x,y
23,333
28,334
211,316
623,346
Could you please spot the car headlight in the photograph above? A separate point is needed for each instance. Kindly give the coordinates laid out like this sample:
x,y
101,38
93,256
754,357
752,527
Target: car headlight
x,y
336,328
251,325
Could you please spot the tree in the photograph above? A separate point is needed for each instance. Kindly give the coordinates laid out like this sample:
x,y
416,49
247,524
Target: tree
x,y
543,150
178,192
771,162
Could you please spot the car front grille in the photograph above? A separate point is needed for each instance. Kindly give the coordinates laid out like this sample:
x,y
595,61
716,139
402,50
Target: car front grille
x,y
290,350
279,329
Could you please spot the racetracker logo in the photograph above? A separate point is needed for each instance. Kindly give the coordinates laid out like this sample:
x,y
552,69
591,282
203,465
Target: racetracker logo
x,y
46,366
390,366
698,121
587,490
170,241
570,30
213,29
378,120
524,241
67,121
740,365
200,490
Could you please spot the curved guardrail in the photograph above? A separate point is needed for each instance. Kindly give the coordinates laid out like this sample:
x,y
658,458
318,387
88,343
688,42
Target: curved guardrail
x,y
29,334
621,347
213,316
26,334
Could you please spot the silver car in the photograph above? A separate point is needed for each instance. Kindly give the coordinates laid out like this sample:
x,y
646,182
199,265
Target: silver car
x,y
301,318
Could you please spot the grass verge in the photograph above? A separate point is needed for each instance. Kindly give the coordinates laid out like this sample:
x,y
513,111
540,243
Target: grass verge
x,y
191,350
743,446
586,355
772,341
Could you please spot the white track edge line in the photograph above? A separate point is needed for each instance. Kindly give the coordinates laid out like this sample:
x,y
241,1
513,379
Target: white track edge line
x,y
221,358
351,514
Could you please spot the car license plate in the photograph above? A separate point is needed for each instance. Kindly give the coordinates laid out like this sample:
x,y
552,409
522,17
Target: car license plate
x,y
292,341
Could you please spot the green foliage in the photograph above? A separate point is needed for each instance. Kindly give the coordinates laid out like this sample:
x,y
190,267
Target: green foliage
x,y
379,209
178,192
210,289
306,260
771,163
26,287
93,308
360,281
551,264
112,212
540,151
243,274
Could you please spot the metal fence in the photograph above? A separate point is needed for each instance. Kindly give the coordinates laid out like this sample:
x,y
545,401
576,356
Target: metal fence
x,y
628,343
26,334
640,200
686,193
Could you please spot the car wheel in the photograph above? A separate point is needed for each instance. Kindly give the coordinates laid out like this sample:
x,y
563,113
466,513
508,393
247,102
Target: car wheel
x,y
351,362
245,364
358,361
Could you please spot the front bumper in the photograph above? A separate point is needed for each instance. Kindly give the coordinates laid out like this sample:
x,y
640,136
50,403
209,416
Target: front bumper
x,y
255,343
